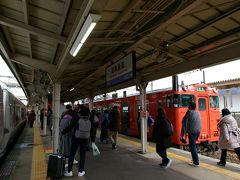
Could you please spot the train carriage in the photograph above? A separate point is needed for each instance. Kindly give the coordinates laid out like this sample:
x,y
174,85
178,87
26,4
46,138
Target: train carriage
x,y
13,116
175,103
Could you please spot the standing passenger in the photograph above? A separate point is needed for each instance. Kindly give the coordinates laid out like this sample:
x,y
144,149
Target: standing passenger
x,y
42,117
76,142
49,119
104,127
191,124
162,134
66,139
114,123
229,136
31,118
94,119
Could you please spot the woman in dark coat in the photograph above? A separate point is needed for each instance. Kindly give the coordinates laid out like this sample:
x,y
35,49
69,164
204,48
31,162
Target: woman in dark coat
x,y
31,118
162,137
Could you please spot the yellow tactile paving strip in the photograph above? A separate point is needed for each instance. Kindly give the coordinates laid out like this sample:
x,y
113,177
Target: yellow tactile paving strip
x,y
39,167
216,169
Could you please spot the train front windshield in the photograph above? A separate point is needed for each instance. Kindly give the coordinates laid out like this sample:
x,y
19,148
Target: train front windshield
x,y
182,100
214,102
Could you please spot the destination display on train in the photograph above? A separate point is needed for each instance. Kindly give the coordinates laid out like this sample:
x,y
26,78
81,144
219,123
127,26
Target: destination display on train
x,y
122,70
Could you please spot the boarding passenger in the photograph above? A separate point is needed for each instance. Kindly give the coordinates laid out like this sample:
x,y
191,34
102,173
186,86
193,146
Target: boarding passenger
x,y
229,136
191,125
114,124
162,132
78,140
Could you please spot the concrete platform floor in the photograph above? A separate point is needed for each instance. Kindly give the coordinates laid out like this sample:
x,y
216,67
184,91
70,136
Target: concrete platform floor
x,y
125,163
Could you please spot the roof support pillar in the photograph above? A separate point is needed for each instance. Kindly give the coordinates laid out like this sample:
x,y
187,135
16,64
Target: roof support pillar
x,y
56,115
90,99
45,106
143,120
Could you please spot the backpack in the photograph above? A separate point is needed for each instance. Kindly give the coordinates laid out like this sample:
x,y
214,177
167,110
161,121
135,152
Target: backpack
x,y
83,128
169,128
65,122
150,120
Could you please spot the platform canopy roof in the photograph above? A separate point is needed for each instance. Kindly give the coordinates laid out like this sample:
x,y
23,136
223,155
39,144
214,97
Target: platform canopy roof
x,y
168,36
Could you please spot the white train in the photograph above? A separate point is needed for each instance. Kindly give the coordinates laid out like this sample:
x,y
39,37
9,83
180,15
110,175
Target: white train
x,y
13,116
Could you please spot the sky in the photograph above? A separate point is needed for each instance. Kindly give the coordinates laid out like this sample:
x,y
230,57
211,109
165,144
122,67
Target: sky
x,y
5,71
212,74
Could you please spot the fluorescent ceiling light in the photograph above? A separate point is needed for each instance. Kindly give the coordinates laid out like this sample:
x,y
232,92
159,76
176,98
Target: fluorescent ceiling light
x,y
83,34
72,89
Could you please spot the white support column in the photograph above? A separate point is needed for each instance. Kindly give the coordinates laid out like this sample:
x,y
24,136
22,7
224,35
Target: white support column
x,y
142,87
45,116
56,115
38,114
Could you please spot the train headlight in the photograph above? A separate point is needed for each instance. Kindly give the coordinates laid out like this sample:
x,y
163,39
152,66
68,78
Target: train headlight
x,y
215,133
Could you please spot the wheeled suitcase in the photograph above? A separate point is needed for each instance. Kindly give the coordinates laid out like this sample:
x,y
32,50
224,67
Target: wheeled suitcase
x,y
55,166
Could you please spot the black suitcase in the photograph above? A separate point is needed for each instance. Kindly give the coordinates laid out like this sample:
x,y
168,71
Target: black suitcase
x,y
55,166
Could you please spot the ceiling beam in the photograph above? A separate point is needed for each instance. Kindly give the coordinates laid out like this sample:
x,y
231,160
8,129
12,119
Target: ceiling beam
x,y
65,57
161,26
224,55
95,41
164,24
63,19
206,24
25,11
8,38
35,63
132,5
83,66
147,11
31,29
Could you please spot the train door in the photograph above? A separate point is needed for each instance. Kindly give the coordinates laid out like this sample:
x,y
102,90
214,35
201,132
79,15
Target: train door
x,y
138,119
126,118
204,112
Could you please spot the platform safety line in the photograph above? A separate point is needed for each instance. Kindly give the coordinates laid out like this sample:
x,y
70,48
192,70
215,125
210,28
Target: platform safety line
x,y
216,169
39,167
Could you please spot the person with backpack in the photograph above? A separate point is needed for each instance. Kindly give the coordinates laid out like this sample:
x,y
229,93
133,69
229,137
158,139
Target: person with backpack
x,y
83,129
66,139
162,132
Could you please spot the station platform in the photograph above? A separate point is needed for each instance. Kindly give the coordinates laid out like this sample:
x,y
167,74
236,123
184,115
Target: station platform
x,y
28,160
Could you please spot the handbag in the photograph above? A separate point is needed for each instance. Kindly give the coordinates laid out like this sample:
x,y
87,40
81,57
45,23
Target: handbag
x,y
95,150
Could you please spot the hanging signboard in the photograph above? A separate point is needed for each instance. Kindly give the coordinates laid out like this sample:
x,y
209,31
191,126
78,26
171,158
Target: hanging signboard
x,y
122,70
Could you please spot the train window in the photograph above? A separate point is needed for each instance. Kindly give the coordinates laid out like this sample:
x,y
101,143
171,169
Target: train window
x,y
176,100
159,104
168,101
186,99
201,104
214,102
